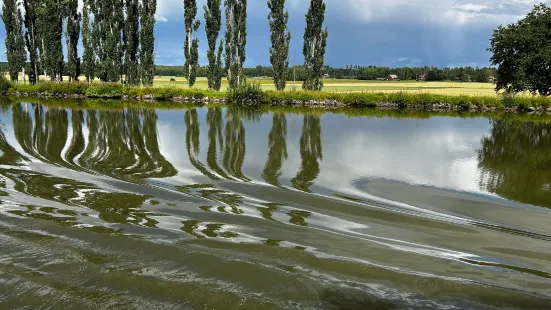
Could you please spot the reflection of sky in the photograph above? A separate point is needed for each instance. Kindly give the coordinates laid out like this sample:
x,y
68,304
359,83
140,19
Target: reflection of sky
x,y
440,151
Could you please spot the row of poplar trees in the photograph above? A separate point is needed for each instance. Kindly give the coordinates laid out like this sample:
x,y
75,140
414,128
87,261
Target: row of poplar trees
x,y
117,36
235,40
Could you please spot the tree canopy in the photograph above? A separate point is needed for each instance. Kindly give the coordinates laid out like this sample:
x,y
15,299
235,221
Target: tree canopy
x,y
522,52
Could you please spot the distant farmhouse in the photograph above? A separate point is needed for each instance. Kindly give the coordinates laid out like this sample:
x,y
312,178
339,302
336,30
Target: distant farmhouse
x,y
422,77
392,77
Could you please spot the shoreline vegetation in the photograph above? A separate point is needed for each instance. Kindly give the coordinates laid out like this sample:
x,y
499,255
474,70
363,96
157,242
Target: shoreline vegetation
x,y
254,113
252,95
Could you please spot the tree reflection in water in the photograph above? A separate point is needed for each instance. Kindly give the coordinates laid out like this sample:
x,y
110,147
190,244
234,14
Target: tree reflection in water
x,y
277,153
310,152
516,163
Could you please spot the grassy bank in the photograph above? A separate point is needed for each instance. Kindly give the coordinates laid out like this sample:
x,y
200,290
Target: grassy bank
x,y
254,95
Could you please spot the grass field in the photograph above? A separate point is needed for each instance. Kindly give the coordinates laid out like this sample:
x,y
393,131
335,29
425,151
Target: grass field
x,y
341,86
334,85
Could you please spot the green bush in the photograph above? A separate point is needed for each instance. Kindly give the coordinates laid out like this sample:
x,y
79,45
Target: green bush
x,y
5,85
106,90
400,98
247,95
508,100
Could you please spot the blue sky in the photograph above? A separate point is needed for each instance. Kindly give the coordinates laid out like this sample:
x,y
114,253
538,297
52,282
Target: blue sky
x,y
392,33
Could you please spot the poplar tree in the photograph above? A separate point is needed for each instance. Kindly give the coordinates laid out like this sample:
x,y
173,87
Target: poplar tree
x,y
315,42
213,23
107,30
112,45
88,61
236,40
118,25
72,35
132,42
50,22
147,53
281,39
98,36
15,45
191,45
32,37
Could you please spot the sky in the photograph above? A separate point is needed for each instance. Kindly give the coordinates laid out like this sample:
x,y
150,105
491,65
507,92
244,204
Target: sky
x,y
395,33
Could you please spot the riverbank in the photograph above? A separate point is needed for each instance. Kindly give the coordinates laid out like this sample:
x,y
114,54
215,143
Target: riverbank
x,y
252,95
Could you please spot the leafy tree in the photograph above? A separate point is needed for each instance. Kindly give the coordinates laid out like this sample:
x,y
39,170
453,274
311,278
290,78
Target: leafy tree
x,y
118,49
481,75
147,53
15,45
191,46
50,22
107,29
213,23
315,42
32,37
132,42
236,40
98,37
72,35
522,52
281,39
88,61
435,75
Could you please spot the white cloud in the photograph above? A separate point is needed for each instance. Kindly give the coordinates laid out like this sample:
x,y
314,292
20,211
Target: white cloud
x,y
473,7
439,12
160,18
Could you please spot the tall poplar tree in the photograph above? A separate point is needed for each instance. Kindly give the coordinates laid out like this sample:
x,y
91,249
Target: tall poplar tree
x,y
281,39
147,53
113,20
118,25
132,42
88,60
236,40
98,37
15,45
213,23
50,22
107,31
191,45
315,42
72,35
32,38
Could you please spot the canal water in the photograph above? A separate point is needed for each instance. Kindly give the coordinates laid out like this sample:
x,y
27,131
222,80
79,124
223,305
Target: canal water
x,y
210,208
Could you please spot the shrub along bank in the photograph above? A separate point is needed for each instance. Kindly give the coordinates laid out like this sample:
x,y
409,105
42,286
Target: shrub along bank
x,y
252,95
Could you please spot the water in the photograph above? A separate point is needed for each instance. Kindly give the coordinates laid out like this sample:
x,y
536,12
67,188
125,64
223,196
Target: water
x,y
214,209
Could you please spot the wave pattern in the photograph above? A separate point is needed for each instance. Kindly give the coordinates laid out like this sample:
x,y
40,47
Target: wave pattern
x,y
215,208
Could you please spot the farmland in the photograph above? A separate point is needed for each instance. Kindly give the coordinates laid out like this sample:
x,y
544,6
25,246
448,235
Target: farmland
x,y
334,85
345,86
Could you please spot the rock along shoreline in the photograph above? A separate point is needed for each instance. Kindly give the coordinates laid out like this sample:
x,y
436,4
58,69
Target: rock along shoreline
x,y
327,104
